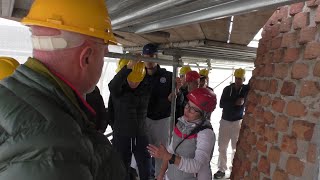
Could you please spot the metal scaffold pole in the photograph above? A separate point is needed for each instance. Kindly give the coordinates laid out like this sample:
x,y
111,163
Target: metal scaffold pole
x,y
141,58
173,101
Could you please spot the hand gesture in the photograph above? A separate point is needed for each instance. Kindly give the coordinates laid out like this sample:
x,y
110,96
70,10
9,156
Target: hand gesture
x,y
240,101
179,83
159,152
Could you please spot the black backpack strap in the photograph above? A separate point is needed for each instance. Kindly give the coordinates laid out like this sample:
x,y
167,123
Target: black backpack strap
x,y
196,130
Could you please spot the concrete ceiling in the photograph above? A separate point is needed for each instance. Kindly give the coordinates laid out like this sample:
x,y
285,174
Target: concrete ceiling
x,y
168,22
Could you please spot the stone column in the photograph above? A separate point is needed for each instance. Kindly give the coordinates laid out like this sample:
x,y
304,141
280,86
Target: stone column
x,y
280,134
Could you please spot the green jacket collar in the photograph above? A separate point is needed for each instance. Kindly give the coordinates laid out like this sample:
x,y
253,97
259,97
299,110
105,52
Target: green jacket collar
x,y
72,94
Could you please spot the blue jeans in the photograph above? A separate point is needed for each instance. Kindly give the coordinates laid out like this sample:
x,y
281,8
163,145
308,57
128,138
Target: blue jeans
x,y
138,146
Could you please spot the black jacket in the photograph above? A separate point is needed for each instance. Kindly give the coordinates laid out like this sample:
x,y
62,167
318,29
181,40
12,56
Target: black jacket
x,y
159,105
232,112
96,102
129,105
181,101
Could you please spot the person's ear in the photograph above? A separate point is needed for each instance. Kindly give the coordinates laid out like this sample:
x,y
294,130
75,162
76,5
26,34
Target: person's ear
x,y
85,56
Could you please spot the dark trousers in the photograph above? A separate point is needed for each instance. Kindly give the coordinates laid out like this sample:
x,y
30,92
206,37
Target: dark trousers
x,y
138,146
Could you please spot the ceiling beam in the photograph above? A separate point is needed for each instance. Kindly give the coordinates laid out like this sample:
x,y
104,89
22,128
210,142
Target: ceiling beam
x,y
196,43
230,8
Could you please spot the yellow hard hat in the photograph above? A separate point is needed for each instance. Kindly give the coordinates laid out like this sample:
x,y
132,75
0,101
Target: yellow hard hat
x,y
121,64
138,73
7,66
184,70
80,16
239,73
204,72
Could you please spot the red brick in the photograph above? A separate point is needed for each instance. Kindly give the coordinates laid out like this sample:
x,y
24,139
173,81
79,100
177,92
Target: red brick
x,y
296,8
259,60
296,109
261,145
264,165
299,71
289,40
250,107
303,130
278,105
289,144
268,58
307,34
265,35
273,86
312,50
259,128
283,12
269,70
295,166
275,30
291,55
258,113
312,153
271,135
253,156
317,16
262,49
241,154
280,175
265,101
286,25
251,121
268,117
316,70
245,146
254,174
313,3
274,155
310,88
281,123
316,114
281,71
276,43
253,97
301,20
288,88
264,85
252,139
278,55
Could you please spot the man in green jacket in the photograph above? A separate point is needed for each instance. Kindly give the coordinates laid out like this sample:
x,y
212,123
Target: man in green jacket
x,y
46,126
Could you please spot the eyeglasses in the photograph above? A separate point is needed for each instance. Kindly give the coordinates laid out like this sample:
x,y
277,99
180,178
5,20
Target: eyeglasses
x,y
191,109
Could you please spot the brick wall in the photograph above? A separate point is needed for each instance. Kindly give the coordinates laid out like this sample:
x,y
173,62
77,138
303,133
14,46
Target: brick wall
x,y
280,134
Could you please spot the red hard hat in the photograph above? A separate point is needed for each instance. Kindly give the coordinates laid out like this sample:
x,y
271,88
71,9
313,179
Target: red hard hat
x,y
192,76
204,98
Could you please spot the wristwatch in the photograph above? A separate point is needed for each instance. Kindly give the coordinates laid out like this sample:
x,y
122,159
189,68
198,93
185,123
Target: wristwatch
x,y
172,159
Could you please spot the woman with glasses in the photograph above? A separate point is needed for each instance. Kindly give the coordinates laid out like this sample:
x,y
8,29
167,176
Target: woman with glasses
x,y
189,154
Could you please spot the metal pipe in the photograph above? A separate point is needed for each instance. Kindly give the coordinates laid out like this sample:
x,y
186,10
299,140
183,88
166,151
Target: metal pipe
x,y
230,8
143,10
208,55
173,99
140,58
201,44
